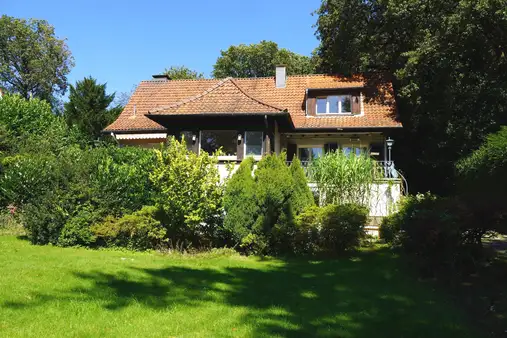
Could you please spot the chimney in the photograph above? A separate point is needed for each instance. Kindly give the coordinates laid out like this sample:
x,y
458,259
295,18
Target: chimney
x,y
161,77
281,76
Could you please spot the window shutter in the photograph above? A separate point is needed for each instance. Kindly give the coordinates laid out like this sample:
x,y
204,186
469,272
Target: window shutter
x,y
291,151
356,104
310,106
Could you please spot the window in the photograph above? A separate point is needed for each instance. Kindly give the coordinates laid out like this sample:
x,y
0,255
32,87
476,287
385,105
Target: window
x,y
334,104
187,137
306,154
253,143
212,140
354,150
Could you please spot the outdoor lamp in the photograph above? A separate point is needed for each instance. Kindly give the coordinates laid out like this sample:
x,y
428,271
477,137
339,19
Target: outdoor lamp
x,y
194,138
389,142
239,137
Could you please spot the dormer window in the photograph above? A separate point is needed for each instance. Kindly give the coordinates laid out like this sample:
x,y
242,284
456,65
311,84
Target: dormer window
x,y
334,104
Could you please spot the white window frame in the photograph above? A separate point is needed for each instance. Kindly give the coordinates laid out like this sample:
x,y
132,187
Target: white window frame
x,y
339,105
220,158
255,157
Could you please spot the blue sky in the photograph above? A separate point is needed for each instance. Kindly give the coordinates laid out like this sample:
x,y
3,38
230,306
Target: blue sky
x,y
124,42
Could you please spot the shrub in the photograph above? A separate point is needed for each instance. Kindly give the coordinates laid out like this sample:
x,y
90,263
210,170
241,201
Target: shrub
x,y
141,230
482,180
305,239
439,233
76,230
342,227
240,202
44,219
301,197
273,191
190,193
343,179
332,229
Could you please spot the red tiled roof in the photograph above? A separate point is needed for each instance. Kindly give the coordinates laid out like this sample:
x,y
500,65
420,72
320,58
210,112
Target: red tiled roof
x,y
224,97
254,95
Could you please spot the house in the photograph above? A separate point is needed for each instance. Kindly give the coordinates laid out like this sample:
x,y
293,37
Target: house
x,y
306,115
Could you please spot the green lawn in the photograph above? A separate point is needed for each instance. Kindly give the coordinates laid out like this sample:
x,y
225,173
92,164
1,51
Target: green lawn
x,y
50,291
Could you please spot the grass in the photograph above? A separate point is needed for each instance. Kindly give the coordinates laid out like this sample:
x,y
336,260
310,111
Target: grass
x,y
55,292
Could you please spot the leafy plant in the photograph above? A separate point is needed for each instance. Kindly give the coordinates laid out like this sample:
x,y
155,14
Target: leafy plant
x,y
189,191
140,230
343,179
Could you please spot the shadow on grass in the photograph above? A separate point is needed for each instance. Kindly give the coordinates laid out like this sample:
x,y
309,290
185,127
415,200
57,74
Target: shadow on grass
x,y
362,296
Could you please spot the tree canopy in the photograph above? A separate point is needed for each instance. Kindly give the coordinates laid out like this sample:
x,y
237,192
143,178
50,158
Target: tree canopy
x,y
258,60
33,62
446,60
182,73
89,109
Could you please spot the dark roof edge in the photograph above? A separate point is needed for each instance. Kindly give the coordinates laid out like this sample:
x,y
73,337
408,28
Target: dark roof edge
x,y
337,129
139,130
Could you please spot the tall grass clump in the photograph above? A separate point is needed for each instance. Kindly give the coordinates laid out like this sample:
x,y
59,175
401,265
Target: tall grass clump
x,y
343,179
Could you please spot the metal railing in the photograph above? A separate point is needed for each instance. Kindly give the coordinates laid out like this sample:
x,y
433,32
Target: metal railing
x,y
387,170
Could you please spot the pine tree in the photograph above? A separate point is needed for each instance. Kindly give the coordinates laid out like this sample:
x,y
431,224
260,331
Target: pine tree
x,y
88,108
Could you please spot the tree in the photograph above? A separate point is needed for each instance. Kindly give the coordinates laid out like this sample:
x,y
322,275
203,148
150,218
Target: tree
x,y
33,62
257,60
88,107
447,66
182,73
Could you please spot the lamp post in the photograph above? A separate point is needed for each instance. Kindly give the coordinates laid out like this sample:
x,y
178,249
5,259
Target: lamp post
x,y
389,143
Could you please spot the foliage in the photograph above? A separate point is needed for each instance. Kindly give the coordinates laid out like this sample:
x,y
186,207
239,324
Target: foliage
x,y
88,108
182,73
438,233
189,192
446,65
306,236
140,230
52,189
258,60
260,205
342,227
76,230
483,180
302,196
240,202
343,178
23,118
330,230
33,62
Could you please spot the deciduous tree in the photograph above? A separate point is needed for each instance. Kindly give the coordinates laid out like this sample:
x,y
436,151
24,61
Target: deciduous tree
x,y
33,61
257,60
182,73
447,62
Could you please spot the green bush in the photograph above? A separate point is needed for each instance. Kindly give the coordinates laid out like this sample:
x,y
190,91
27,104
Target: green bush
x,y
305,240
330,230
342,227
76,230
440,234
189,190
301,197
240,202
141,230
44,219
482,181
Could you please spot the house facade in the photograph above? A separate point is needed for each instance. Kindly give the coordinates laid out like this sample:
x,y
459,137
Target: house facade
x,y
305,115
